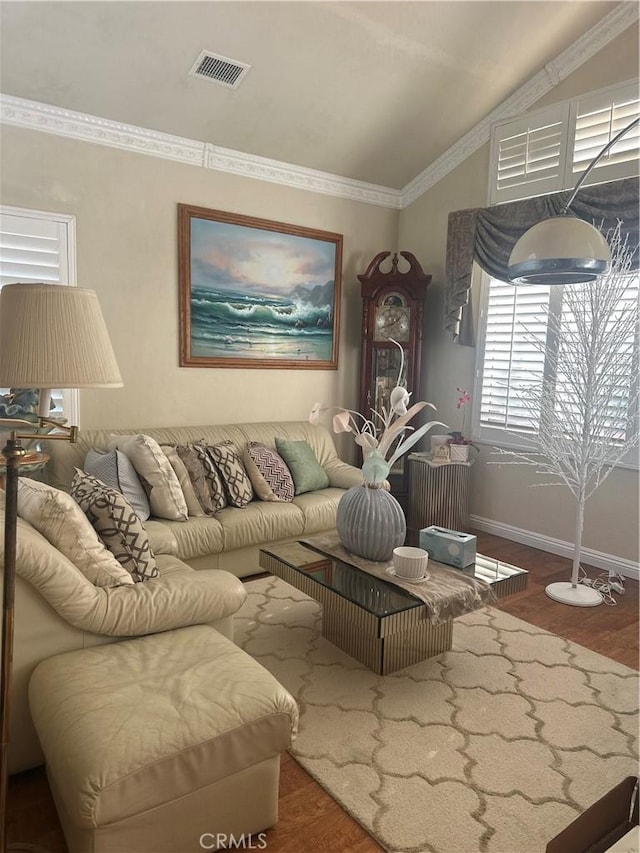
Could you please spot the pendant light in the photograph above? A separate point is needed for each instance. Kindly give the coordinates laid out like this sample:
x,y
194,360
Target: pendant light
x,y
563,249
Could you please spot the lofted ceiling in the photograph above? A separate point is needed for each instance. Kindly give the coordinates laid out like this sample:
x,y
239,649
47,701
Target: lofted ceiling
x,y
373,91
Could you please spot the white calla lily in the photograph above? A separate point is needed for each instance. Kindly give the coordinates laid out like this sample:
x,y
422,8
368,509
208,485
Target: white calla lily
x,y
388,428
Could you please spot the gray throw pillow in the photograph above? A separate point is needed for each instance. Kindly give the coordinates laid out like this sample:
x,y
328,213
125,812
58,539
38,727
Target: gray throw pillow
x,y
308,474
116,524
115,470
196,472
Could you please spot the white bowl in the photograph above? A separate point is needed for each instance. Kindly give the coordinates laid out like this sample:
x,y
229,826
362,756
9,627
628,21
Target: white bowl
x,y
410,563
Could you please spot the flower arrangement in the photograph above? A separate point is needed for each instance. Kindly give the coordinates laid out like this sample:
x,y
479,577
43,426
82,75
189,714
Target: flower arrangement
x,y
457,437
383,438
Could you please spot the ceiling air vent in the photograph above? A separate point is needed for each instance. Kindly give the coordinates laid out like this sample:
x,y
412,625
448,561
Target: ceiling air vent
x,y
219,69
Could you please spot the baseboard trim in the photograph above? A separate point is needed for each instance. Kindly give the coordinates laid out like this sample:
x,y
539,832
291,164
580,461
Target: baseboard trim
x,y
607,562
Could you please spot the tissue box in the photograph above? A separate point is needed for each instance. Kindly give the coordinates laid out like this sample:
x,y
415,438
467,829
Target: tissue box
x,y
449,546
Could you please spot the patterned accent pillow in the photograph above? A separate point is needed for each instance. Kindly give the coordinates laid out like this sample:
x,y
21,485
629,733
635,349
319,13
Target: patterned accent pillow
x,y
59,519
236,482
196,472
268,472
116,471
116,524
217,493
308,474
193,504
156,474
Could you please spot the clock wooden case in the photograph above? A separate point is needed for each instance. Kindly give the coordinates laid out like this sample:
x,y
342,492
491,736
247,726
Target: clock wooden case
x,y
393,304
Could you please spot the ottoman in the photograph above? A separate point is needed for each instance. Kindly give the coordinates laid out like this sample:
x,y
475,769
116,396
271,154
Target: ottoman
x,y
153,743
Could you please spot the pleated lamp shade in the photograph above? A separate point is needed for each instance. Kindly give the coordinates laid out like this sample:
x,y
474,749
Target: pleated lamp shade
x,y
54,336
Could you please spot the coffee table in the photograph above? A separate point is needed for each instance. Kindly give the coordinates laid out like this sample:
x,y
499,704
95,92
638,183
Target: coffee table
x,y
379,624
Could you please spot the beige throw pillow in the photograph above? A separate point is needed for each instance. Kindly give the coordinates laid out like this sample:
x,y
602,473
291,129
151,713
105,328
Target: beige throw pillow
x,y
59,519
193,504
157,475
116,523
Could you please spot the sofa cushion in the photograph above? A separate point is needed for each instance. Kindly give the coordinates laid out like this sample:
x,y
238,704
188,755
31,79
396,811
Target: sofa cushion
x,y
319,509
59,519
268,472
308,474
236,482
196,537
157,475
258,523
191,499
116,524
197,476
217,492
115,470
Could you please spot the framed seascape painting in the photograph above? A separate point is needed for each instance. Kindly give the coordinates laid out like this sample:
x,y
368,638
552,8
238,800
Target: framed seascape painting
x,y
256,293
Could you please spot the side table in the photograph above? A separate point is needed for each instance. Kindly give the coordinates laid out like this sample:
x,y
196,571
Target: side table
x,y
438,494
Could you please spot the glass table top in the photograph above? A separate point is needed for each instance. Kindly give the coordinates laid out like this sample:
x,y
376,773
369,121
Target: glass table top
x,y
375,595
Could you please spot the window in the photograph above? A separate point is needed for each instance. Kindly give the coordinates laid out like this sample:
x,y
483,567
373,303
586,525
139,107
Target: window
x,y
38,246
547,150
519,375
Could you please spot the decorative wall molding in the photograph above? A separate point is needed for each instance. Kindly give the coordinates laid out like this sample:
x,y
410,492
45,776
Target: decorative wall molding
x,y
606,562
32,115
264,169
611,26
87,128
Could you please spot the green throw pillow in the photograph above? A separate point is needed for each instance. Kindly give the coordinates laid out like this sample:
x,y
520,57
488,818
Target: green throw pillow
x,y
308,474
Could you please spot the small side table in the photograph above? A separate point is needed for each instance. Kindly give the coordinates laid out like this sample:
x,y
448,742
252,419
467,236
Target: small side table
x,y
438,494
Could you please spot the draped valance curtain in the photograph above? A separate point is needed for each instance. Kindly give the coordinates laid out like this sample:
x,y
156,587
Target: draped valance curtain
x,y
487,235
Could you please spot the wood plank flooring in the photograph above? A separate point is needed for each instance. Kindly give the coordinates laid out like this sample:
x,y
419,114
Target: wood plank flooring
x,y
309,818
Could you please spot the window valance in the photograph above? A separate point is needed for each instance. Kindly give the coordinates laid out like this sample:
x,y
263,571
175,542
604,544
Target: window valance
x,y
487,236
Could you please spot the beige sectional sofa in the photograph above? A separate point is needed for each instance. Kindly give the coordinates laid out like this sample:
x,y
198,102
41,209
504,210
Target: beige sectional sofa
x,y
58,610
231,539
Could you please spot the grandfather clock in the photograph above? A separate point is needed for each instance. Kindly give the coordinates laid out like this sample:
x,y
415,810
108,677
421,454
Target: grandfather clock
x,y
393,304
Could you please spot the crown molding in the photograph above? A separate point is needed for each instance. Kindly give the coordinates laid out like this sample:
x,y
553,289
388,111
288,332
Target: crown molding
x,y
87,128
264,169
611,26
32,115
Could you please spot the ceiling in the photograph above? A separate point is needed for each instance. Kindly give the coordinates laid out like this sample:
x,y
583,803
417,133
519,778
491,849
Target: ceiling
x,y
373,91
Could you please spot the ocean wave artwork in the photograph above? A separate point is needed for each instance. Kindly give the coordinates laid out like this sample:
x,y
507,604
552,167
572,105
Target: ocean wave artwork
x,y
254,326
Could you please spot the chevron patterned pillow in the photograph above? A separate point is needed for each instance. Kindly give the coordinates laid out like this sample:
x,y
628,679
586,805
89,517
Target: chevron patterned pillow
x,y
267,470
116,524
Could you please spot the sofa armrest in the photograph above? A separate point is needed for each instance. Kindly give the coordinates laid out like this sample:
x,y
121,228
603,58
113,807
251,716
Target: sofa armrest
x,y
342,475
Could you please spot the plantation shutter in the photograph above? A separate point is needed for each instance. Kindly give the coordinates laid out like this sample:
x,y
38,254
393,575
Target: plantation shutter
x,y
598,118
514,316
36,247
528,155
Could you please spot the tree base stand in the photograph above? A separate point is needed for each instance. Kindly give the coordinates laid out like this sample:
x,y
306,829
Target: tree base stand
x,y
579,595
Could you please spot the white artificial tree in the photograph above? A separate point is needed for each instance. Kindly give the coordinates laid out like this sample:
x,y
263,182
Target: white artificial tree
x,y
593,342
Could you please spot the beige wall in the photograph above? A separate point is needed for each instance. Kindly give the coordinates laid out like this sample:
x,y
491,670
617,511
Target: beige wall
x,y
503,493
125,205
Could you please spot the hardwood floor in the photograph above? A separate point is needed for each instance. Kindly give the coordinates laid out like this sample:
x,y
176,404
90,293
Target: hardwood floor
x,y
309,818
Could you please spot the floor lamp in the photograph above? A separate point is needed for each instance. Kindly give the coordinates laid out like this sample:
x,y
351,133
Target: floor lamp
x,y
51,336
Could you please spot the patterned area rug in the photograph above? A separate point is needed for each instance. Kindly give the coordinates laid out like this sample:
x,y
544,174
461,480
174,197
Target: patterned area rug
x,y
493,746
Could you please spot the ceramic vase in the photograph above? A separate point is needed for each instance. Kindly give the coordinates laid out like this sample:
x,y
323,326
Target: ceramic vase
x,y
370,522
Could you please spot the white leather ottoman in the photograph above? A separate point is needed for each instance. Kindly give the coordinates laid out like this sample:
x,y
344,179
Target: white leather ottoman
x,y
154,742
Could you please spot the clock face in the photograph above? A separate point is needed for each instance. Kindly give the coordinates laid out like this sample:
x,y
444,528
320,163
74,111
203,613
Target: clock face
x,y
392,321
